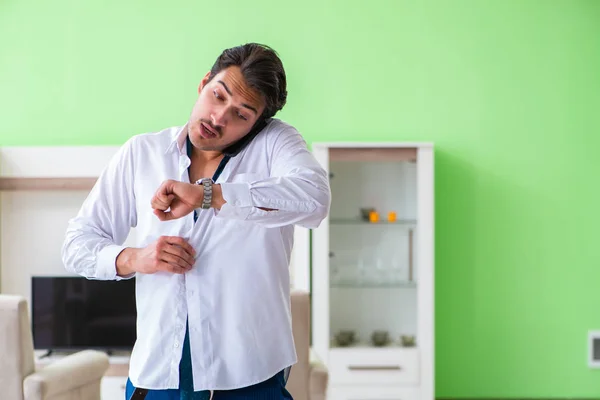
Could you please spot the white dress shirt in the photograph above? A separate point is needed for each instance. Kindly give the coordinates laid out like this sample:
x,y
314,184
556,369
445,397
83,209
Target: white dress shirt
x,y
237,295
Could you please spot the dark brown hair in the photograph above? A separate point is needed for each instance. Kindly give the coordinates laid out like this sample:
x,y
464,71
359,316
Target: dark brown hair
x,y
261,68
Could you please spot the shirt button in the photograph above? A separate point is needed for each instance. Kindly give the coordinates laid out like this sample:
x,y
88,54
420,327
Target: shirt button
x,y
176,344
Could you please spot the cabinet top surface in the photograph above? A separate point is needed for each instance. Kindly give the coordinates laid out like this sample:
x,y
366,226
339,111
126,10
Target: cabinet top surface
x,y
373,144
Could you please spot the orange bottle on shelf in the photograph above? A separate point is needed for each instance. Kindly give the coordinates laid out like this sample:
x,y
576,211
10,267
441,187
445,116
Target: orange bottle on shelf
x,y
392,216
373,216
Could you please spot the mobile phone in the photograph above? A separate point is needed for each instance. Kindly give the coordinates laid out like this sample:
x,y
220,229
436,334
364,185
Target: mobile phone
x,y
139,394
233,149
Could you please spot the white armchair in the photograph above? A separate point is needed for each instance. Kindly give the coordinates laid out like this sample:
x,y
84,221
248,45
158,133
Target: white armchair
x,y
75,377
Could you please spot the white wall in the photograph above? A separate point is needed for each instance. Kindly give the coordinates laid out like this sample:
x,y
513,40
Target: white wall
x,y
33,223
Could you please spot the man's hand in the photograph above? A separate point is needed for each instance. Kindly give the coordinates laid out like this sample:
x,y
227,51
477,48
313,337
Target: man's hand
x,y
181,198
167,253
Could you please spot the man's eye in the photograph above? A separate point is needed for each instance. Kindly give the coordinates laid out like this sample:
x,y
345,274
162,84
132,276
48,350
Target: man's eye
x,y
216,94
242,117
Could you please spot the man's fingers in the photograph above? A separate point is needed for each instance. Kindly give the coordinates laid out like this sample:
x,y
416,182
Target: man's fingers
x,y
163,215
163,197
176,269
162,201
181,253
179,241
167,198
176,260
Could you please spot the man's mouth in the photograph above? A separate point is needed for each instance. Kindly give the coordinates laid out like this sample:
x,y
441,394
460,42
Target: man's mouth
x,y
207,132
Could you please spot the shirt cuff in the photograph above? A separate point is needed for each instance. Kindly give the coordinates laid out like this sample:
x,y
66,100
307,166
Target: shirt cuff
x,y
238,200
106,266
237,194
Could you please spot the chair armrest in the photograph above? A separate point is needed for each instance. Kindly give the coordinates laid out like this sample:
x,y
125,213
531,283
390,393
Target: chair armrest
x,y
318,378
66,374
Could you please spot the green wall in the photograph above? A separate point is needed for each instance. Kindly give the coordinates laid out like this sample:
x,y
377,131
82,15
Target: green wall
x,y
509,91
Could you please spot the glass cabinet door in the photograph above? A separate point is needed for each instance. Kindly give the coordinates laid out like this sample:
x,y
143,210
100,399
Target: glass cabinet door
x,y
373,279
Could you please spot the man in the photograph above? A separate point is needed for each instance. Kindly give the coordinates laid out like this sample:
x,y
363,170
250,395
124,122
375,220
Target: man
x,y
214,204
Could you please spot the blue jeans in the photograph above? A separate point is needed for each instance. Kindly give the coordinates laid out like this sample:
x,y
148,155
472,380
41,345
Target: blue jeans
x,y
271,389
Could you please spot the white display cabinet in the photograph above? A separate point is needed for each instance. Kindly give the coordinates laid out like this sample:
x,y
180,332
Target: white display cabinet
x,y
372,271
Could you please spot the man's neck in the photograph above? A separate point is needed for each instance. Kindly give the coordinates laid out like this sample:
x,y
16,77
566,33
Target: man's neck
x,y
204,164
206,156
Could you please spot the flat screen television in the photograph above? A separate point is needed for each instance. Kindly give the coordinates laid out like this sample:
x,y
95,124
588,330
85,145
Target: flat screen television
x,y
74,313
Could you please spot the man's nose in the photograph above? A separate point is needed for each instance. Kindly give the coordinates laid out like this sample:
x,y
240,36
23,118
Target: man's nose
x,y
218,117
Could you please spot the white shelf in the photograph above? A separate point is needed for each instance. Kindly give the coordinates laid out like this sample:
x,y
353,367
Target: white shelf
x,y
45,183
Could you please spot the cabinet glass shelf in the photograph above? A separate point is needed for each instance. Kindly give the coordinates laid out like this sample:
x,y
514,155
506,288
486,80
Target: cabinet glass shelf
x,y
367,345
359,221
376,285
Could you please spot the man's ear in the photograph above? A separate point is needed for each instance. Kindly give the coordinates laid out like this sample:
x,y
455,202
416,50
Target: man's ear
x,y
203,82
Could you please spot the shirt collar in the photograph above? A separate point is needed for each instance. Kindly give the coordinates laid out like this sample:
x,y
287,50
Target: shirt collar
x,y
178,139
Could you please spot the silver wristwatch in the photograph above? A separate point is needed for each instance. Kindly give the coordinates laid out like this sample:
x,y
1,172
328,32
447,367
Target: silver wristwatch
x,y
207,184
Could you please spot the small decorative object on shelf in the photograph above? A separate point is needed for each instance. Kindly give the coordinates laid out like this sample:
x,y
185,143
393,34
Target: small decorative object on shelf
x,y
374,216
365,213
380,338
392,216
345,338
407,340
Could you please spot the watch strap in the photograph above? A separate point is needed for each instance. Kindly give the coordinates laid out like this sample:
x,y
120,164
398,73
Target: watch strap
x,y
207,185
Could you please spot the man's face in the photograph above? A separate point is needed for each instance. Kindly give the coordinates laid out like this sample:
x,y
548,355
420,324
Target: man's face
x,y
225,111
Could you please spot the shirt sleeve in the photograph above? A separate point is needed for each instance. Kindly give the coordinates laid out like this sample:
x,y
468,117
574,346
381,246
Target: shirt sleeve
x,y
94,237
297,189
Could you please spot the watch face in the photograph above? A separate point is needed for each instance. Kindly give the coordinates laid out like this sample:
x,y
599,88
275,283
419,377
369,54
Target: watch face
x,y
204,181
